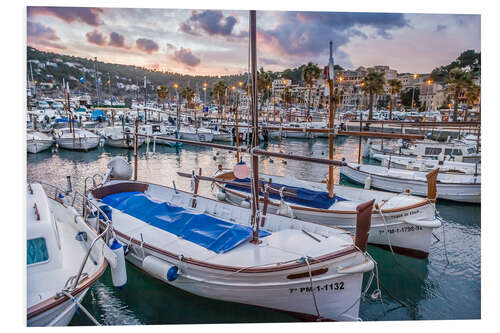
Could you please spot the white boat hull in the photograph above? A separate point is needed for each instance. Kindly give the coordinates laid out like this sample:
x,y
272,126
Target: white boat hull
x,y
405,238
291,135
36,146
62,314
470,193
78,143
200,137
123,143
223,137
274,291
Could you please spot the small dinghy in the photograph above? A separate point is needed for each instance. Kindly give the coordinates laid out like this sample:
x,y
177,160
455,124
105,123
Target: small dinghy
x,y
403,222
455,187
76,139
37,142
423,164
65,256
211,249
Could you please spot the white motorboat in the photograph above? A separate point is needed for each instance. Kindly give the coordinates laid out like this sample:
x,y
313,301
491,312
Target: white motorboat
x,y
76,139
299,134
121,137
455,187
37,142
403,222
196,134
423,164
458,152
210,249
222,136
65,256
158,131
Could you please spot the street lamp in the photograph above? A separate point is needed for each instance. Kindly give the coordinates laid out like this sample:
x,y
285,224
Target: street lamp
x,y
178,112
204,95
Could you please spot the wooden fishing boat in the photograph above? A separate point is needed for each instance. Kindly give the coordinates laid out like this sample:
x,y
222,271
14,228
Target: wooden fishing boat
x,y
65,256
37,142
422,164
206,248
120,137
196,134
76,139
303,134
455,187
403,222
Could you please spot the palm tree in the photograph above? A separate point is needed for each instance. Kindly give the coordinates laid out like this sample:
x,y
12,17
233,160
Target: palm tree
x,y
472,94
311,72
286,95
372,84
219,92
458,81
162,92
188,94
395,87
338,96
263,82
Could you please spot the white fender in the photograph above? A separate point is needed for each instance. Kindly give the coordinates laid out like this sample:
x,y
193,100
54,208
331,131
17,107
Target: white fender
x,y
119,272
160,269
368,182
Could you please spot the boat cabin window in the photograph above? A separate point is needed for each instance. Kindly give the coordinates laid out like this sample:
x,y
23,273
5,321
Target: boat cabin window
x,y
37,251
432,151
156,128
471,150
447,151
457,152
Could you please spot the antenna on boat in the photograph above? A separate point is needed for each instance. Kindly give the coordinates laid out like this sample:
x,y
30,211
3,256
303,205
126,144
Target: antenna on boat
x,y
255,122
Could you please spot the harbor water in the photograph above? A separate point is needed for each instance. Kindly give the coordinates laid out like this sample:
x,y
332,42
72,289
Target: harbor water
x,y
447,285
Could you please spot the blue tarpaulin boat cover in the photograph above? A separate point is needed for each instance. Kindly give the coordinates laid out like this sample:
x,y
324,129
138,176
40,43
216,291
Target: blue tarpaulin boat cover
x,y
207,231
96,113
303,196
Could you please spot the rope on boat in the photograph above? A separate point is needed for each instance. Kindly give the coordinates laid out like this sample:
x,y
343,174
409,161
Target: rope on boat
x,y
438,215
79,305
392,250
312,288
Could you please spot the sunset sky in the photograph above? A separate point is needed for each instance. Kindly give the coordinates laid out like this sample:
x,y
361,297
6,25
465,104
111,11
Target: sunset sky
x,y
216,42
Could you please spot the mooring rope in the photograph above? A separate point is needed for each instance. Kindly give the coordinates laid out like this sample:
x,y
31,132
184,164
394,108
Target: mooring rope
x,y
312,288
392,250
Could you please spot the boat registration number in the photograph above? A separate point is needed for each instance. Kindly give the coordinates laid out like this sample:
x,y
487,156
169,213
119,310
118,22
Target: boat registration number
x,y
402,229
326,287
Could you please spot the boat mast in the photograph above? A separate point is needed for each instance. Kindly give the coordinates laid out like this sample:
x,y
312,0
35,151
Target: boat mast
x,y
253,105
331,134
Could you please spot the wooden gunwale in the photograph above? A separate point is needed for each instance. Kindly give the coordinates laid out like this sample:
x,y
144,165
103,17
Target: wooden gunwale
x,y
321,259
